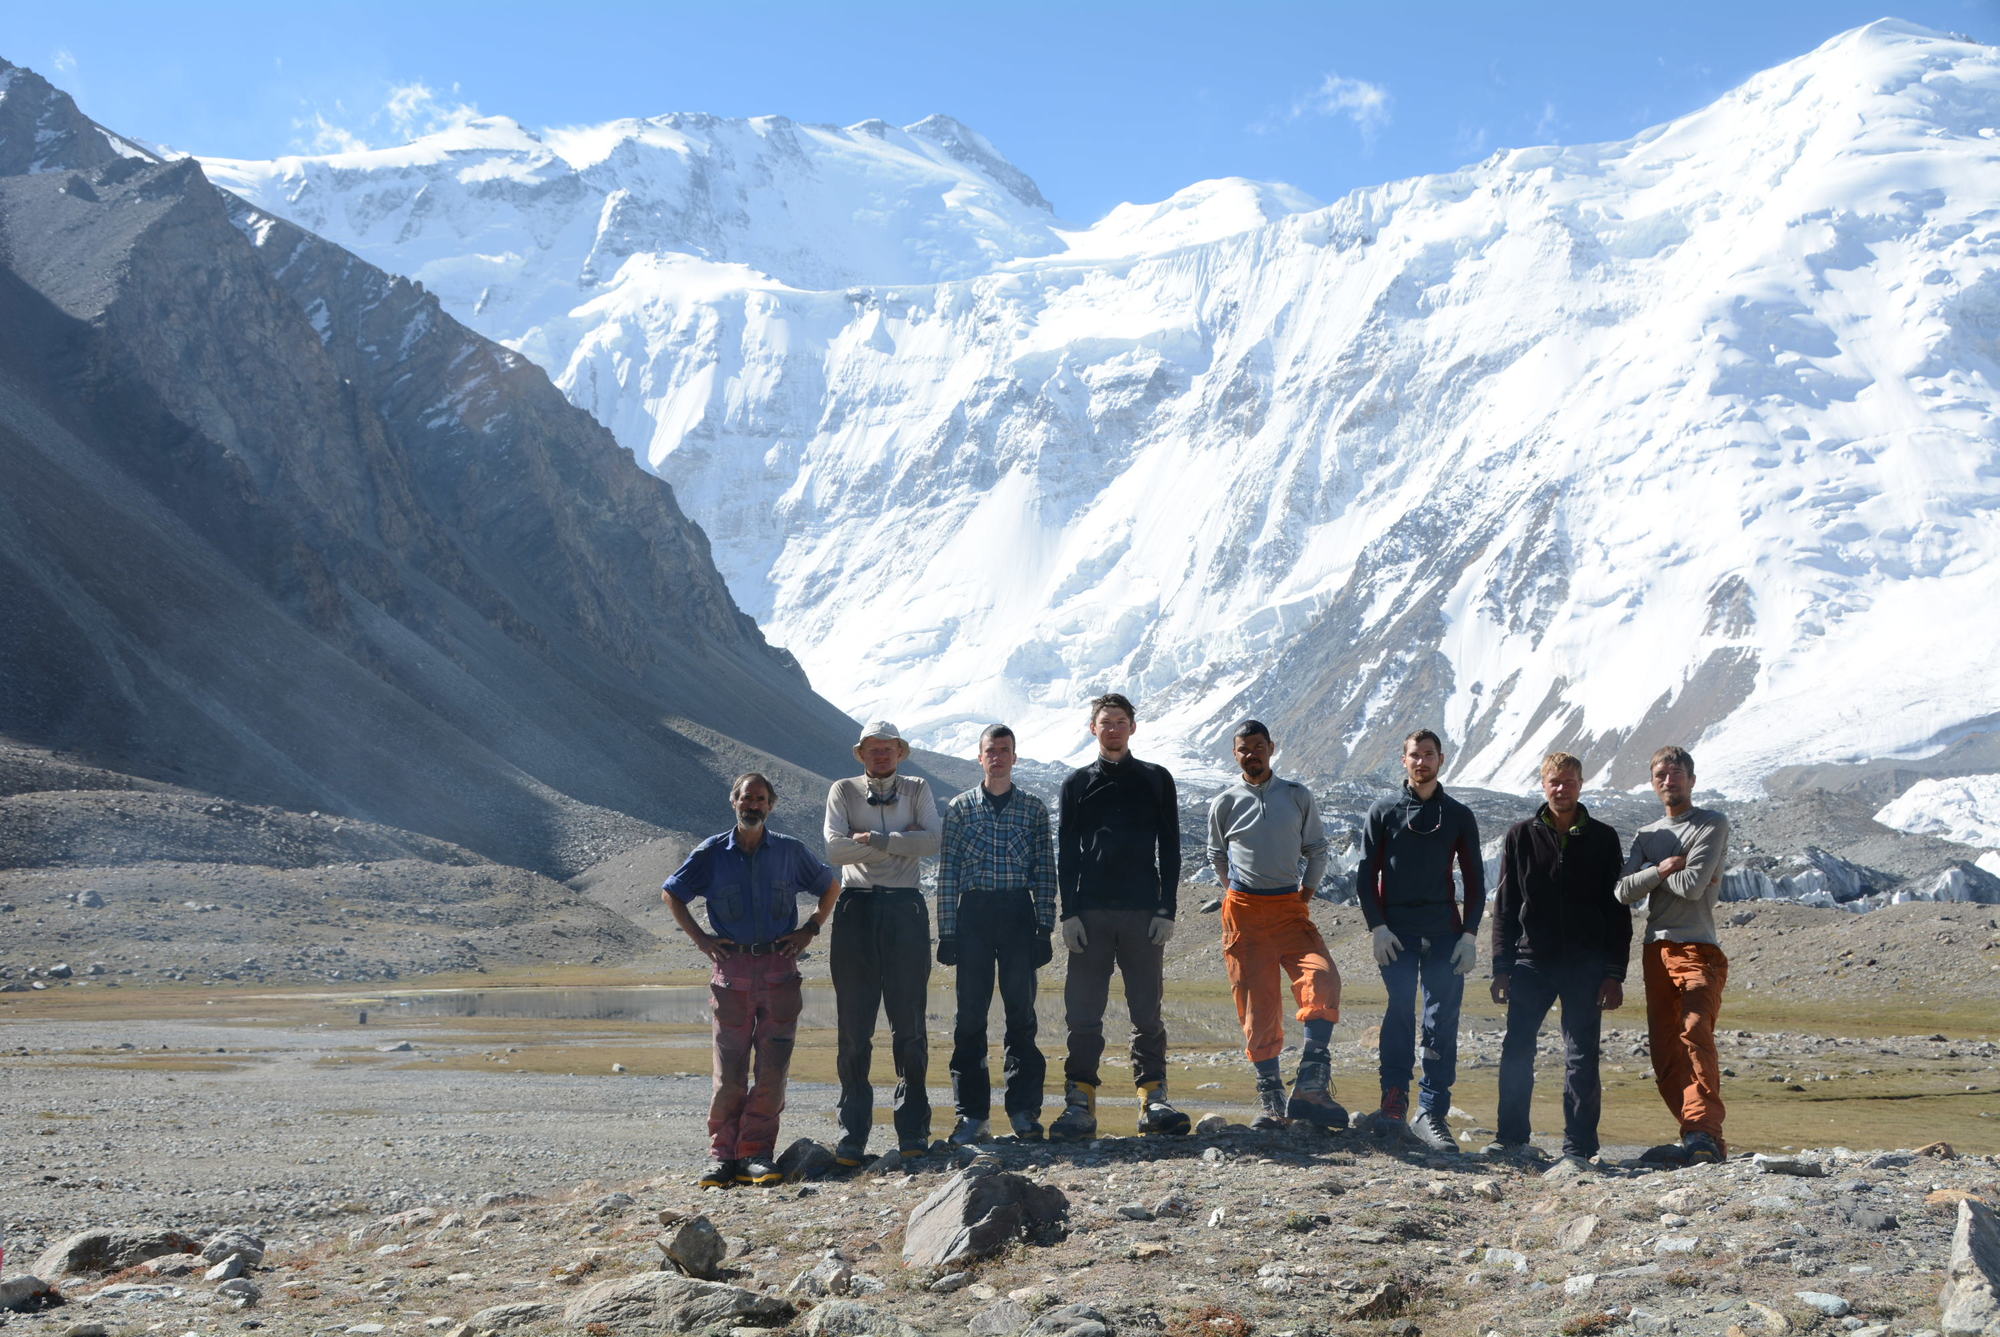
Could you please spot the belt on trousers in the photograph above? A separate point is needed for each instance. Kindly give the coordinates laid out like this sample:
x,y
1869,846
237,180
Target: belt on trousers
x,y
751,948
871,890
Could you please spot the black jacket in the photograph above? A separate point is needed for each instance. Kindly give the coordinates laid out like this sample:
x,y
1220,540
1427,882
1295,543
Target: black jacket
x,y
1119,843
1557,899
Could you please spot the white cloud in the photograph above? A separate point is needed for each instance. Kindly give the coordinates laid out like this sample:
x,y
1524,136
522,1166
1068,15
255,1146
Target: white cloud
x,y
414,110
1547,123
410,111
1363,103
64,60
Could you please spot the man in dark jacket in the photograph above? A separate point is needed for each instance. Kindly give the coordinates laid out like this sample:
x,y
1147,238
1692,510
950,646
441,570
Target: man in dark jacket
x,y
1422,934
1559,932
1118,870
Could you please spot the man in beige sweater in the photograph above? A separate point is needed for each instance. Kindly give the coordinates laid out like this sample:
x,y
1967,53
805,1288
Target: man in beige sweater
x,y
879,824
1675,867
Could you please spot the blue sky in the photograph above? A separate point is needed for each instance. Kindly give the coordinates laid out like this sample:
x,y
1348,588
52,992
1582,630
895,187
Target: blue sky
x,y
1100,103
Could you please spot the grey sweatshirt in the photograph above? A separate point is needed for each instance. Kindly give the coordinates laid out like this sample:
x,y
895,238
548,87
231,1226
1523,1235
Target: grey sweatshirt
x,y
1681,907
910,824
1257,835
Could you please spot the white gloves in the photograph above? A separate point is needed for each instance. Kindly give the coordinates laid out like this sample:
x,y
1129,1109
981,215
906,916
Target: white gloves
x,y
1161,930
1073,936
1466,955
1387,946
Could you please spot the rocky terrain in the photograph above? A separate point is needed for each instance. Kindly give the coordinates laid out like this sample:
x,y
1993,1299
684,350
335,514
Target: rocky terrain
x,y
409,1199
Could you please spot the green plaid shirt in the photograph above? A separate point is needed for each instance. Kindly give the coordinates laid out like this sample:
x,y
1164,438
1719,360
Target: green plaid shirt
x,y
989,849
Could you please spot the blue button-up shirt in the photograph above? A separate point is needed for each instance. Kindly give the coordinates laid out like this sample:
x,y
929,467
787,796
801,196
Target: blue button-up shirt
x,y
752,895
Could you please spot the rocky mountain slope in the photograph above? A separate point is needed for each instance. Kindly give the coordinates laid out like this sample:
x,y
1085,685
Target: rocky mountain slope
x,y
1686,436
279,528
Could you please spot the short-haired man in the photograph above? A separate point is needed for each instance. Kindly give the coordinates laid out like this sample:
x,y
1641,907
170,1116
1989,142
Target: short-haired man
x,y
1118,866
1559,933
878,825
1675,867
1262,831
752,878
996,905
1421,933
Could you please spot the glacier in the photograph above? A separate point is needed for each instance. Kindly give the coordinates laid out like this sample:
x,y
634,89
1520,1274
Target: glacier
x,y
1689,437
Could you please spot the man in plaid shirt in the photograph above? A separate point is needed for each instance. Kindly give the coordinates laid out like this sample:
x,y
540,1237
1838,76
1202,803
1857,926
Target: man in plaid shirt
x,y
996,904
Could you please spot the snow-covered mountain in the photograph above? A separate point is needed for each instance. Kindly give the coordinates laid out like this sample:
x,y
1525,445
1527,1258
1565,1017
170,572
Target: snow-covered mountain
x,y
1689,437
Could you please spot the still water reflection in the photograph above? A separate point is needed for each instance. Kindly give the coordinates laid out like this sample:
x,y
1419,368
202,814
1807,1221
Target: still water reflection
x,y
687,1005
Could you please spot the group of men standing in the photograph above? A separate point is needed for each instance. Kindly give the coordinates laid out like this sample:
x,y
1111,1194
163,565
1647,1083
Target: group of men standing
x,y
1106,874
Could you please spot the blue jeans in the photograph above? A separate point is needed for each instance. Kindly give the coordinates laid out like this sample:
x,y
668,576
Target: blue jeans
x,y
1533,990
1444,988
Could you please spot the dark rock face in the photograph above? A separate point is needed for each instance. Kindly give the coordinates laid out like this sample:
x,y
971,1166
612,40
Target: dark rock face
x,y
277,528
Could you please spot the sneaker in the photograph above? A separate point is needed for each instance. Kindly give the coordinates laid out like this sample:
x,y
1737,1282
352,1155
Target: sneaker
x,y
1702,1148
758,1172
968,1131
1027,1127
1429,1128
722,1174
1507,1150
850,1152
1312,1093
1078,1121
1157,1117
1270,1105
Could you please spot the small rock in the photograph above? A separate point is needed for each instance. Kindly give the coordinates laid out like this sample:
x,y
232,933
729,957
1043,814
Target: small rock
x,y
1145,1249
696,1247
1132,1211
24,1294
400,1047
1868,1218
611,1204
240,1289
1210,1125
665,1301
1676,1244
1385,1301
1680,1200
1576,1233
619,1067
973,1215
1511,1259
239,1242
1581,1285
1788,1165
951,1281
1214,1155
1830,1305
1002,1318
1565,1169
805,1160
1174,1207
829,1276
226,1270
1067,1319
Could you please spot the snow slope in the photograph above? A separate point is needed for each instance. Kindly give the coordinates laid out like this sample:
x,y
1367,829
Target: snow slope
x,y
1965,808
1690,437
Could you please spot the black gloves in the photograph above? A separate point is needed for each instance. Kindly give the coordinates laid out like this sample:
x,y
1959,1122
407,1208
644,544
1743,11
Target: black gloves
x,y
1045,951
947,951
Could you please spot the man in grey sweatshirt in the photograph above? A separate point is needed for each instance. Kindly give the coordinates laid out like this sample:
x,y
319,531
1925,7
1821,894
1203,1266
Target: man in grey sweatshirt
x,y
1675,867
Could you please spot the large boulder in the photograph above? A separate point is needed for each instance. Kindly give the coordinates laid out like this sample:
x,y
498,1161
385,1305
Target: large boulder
x,y
517,1315
978,1212
669,1302
109,1250
1971,1297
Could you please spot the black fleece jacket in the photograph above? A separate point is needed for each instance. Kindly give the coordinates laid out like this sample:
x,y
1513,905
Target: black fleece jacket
x,y
1119,844
1557,899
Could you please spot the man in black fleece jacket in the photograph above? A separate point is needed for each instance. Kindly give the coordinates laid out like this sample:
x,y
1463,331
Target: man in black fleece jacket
x,y
1118,873
1559,932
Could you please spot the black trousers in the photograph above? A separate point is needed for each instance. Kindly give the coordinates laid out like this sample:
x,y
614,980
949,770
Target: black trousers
x,y
880,959
1120,940
997,938
1533,990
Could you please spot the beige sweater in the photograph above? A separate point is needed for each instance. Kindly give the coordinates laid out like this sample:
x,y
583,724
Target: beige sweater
x,y
1680,907
901,832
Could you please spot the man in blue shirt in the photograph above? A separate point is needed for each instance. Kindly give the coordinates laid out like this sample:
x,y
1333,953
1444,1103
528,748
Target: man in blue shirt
x,y
751,877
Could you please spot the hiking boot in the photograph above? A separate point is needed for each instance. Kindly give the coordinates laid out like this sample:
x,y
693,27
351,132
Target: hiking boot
x,y
722,1174
1429,1128
912,1156
1270,1105
1027,1127
851,1152
968,1131
1510,1150
1702,1148
1395,1105
1312,1093
1078,1121
1158,1118
758,1172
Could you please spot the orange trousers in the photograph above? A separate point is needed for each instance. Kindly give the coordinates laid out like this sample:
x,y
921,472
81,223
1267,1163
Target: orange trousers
x,y
1262,935
1683,996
